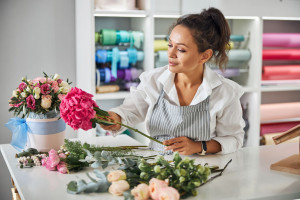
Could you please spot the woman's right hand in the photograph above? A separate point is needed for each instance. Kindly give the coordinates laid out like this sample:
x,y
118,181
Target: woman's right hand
x,y
114,117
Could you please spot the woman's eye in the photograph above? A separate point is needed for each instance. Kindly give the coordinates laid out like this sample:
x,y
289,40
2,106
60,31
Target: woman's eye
x,y
181,50
169,45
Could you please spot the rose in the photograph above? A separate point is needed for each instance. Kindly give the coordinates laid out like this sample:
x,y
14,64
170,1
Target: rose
x,y
36,92
61,96
46,101
141,192
65,87
62,168
155,185
77,109
45,88
22,86
118,187
23,94
52,160
30,102
54,86
15,93
116,175
168,193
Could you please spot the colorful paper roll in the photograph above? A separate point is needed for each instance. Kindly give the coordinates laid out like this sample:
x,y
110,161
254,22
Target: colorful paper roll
x,y
105,75
281,69
237,38
162,56
281,39
160,45
277,127
279,111
239,55
228,73
281,54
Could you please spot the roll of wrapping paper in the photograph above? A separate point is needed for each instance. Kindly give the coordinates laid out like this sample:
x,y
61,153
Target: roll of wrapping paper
x,y
160,45
239,55
281,72
281,39
237,38
228,73
281,54
107,88
105,75
268,139
103,56
162,56
108,37
279,111
277,127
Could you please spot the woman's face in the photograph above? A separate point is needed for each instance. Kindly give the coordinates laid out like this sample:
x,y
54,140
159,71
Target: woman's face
x,y
183,52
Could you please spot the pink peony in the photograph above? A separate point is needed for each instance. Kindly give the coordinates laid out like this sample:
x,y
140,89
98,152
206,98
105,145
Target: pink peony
x,y
30,102
22,86
52,160
76,109
118,187
62,168
62,155
45,88
168,193
141,192
116,175
155,185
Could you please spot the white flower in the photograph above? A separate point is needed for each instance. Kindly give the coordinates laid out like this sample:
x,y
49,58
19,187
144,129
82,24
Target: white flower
x,y
46,101
28,89
117,188
36,92
63,84
15,93
56,76
23,94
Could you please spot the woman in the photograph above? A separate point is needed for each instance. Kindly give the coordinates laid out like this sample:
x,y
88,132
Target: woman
x,y
185,104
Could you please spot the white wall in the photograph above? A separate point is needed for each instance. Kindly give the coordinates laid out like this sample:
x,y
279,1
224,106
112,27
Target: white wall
x,y
35,36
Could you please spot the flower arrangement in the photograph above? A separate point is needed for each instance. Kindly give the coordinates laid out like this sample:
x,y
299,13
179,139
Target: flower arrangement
x,y
40,95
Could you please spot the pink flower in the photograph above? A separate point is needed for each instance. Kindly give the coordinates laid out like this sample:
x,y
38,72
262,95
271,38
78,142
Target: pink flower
x,y
141,192
155,185
16,105
76,109
39,79
117,188
22,86
62,155
44,161
54,86
45,88
116,175
46,101
62,168
52,160
30,102
61,96
59,81
168,193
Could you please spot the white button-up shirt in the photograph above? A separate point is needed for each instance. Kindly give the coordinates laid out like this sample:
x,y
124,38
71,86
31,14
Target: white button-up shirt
x,y
226,122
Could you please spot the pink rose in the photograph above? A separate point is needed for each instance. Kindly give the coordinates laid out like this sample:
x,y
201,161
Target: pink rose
x,y
61,96
116,175
117,188
46,101
52,160
30,102
62,168
154,187
54,86
168,193
141,192
76,109
22,86
44,161
45,88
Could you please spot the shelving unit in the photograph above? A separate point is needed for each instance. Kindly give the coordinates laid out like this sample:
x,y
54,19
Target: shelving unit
x,y
153,21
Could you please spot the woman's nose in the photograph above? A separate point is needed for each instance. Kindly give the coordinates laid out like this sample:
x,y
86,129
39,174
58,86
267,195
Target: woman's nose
x,y
171,53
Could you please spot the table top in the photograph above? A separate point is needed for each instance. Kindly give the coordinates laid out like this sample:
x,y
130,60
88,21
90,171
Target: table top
x,y
248,176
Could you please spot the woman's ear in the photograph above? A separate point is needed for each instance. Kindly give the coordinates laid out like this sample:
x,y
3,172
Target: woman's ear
x,y
206,55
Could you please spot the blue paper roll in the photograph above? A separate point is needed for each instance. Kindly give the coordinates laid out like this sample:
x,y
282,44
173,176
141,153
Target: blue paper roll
x,y
237,38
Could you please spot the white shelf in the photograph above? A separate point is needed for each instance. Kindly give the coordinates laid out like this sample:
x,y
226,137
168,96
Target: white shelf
x,y
170,16
281,121
278,88
111,96
282,18
128,13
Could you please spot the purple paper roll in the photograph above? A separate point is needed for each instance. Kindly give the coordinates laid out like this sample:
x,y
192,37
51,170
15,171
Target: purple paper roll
x,y
135,73
228,72
281,39
127,75
131,84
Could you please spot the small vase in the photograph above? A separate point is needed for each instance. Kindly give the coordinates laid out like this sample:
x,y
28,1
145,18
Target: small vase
x,y
45,134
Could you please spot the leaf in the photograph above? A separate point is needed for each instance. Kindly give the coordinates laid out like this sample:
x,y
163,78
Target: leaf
x,y
96,164
127,195
101,112
104,165
72,187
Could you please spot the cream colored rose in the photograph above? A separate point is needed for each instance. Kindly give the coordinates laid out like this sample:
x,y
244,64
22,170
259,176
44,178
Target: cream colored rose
x,y
23,94
15,93
46,101
117,188
36,92
141,192
116,175
64,87
56,76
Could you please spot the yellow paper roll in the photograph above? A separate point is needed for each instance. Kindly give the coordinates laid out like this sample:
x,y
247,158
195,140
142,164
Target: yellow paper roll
x,y
160,45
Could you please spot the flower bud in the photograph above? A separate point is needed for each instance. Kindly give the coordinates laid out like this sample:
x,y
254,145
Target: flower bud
x,y
56,76
157,169
181,179
144,175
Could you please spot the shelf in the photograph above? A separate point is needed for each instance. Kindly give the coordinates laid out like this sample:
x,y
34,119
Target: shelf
x,y
249,89
171,16
111,96
282,18
281,121
242,17
125,13
278,88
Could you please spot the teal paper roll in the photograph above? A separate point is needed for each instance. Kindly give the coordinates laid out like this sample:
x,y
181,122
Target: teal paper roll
x,y
237,38
162,56
240,55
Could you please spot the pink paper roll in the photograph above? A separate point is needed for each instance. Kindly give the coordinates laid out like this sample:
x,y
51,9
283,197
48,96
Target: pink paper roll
x,y
281,77
281,54
277,127
281,69
279,111
281,39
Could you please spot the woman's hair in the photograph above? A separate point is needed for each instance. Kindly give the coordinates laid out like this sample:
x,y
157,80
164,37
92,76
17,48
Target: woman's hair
x,y
210,31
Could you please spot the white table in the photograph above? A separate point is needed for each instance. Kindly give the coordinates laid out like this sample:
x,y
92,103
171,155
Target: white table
x,y
248,176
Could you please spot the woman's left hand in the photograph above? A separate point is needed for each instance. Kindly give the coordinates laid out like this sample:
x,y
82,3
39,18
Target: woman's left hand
x,y
183,145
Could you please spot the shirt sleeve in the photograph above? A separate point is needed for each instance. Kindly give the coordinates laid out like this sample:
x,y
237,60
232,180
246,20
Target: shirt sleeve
x,y
229,127
134,108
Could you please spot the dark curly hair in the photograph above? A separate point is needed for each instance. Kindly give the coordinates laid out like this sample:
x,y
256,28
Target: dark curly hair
x,y
210,31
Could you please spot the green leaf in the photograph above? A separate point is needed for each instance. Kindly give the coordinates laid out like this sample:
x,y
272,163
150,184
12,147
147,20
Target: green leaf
x,y
101,112
72,187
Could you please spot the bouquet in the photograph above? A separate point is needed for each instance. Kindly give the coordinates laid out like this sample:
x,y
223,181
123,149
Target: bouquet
x,y
40,95
79,110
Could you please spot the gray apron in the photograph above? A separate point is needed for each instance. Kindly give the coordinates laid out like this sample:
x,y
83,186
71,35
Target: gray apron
x,y
169,121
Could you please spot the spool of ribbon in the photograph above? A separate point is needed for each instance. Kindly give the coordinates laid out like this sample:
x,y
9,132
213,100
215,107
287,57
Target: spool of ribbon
x,y
281,39
160,45
281,54
240,55
108,37
228,73
105,75
237,38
